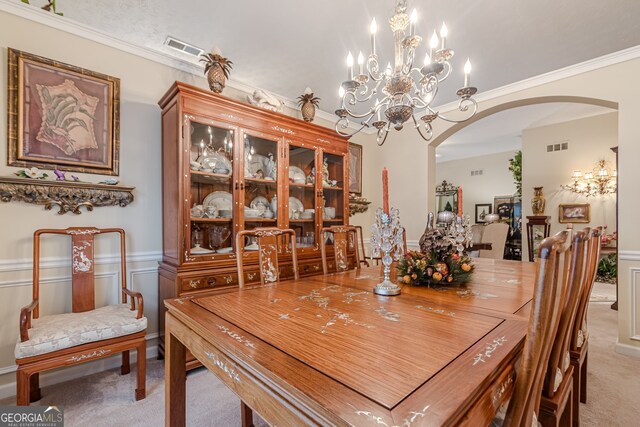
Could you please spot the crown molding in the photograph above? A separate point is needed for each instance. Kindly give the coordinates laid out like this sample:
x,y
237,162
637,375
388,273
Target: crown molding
x,y
552,76
40,16
70,26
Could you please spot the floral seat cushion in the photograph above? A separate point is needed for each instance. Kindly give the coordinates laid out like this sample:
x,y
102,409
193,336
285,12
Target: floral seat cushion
x,y
60,331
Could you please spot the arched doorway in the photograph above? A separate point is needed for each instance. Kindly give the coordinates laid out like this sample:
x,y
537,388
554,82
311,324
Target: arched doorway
x,y
609,106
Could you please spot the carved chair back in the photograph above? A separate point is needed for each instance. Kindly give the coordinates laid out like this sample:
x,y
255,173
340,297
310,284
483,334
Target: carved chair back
x,y
344,241
573,281
363,259
271,242
82,265
593,257
543,323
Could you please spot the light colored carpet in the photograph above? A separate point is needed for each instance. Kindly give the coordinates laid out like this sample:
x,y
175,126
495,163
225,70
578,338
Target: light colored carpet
x,y
106,399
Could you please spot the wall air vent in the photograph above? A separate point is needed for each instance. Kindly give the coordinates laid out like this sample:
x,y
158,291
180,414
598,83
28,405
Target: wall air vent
x,y
183,47
558,146
477,172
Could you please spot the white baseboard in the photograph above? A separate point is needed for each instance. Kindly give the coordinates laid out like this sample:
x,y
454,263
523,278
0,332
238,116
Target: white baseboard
x,y
78,371
628,350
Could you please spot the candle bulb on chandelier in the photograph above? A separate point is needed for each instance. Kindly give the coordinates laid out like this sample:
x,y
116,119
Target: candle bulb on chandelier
x,y
412,22
433,44
385,190
443,34
373,29
388,71
427,59
361,63
350,66
467,73
341,92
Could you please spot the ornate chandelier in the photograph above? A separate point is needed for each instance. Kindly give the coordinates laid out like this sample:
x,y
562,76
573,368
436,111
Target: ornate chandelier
x,y
598,182
402,92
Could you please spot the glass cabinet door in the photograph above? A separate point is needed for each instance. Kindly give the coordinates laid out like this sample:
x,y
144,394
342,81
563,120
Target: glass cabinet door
x,y
333,189
303,198
260,183
211,202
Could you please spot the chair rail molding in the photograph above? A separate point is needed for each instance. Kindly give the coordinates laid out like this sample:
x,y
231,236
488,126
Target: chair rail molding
x,y
19,264
629,255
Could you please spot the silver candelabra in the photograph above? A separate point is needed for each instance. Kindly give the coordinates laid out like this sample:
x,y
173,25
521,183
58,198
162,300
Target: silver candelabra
x,y
387,239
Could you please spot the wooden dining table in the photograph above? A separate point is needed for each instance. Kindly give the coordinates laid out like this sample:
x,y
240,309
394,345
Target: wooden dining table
x,y
325,350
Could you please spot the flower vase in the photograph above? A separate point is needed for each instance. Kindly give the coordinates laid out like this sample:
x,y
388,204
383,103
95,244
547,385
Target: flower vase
x,y
537,202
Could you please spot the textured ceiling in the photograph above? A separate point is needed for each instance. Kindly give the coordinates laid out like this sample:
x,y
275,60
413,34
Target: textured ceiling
x,y
285,45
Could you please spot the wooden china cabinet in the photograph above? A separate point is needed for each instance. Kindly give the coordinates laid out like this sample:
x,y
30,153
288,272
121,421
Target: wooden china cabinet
x,y
228,166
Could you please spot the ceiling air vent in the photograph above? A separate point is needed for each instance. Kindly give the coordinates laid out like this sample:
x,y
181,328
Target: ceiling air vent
x,y
476,172
183,47
558,146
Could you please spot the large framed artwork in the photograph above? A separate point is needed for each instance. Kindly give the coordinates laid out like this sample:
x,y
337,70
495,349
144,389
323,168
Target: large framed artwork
x,y
355,169
62,116
576,213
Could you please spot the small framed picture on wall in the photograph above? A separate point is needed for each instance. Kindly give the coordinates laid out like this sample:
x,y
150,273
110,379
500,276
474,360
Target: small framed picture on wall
x,y
481,211
576,213
503,206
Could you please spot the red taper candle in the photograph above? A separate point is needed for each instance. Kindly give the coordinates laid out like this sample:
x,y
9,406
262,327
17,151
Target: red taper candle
x,y
385,190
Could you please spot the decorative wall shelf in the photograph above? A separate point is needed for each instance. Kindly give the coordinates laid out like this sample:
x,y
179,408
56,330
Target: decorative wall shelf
x,y
357,204
68,196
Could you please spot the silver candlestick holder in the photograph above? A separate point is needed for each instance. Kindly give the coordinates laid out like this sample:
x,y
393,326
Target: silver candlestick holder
x,y
387,239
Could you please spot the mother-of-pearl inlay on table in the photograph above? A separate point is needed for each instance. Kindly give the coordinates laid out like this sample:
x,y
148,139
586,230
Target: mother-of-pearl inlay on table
x,y
327,351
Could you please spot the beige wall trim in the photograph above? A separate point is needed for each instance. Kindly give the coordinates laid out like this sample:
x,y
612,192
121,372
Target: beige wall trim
x,y
442,136
629,255
627,350
552,76
634,284
49,378
113,275
40,16
20,264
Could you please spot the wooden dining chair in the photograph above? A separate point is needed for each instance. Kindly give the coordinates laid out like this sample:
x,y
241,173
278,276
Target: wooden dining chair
x,y
543,325
344,241
270,244
580,335
363,259
87,333
559,404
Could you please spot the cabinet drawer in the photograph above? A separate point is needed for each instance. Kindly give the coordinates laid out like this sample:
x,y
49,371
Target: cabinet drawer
x,y
310,268
208,281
